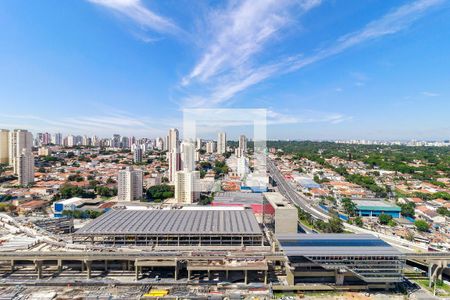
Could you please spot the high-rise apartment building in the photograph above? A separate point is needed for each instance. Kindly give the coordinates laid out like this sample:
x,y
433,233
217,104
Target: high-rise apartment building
x,y
159,144
130,184
174,164
174,153
221,142
186,186
137,154
187,181
211,147
46,138
243,143
71,142
198,145
115,141
25,167
187,156
95,141
173,139
4,146
57,139
18,140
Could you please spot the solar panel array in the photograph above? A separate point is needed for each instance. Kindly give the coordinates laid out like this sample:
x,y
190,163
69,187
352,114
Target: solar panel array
x,y
334,244
195,222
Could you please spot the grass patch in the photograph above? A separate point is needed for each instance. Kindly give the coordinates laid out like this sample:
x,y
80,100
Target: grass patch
x,y
442,289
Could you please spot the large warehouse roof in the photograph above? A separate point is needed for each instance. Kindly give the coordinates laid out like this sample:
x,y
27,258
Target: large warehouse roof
x,y
375,205
334,244
173,222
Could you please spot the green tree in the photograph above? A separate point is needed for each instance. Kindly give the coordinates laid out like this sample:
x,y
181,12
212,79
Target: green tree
x,y
205,199
349,206
384,219
68,191
408,209
2,169
110,180
335,225
75,177
105,191
422,225
443,211
162,191
358,221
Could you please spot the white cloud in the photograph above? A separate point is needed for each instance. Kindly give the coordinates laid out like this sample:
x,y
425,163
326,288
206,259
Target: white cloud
x,y
136,11
101,124
222,73
430,94
306,116
391,23
241,31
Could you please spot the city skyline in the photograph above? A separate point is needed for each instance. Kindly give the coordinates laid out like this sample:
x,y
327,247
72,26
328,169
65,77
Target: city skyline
x,y
324,70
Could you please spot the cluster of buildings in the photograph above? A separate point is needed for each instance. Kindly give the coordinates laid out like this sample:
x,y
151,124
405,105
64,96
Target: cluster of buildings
x,y
327,188
248,233
16,151
412,143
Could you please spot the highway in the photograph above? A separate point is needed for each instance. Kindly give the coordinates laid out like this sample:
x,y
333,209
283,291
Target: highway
x,y
290,193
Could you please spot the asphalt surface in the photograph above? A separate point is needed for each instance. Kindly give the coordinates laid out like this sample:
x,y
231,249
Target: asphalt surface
x,y
289,192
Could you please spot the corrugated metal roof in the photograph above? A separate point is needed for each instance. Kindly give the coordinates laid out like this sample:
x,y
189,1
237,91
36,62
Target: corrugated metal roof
x,y
195,222
375,205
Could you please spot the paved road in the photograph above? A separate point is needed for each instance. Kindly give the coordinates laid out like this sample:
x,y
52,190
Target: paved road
x,y
290,193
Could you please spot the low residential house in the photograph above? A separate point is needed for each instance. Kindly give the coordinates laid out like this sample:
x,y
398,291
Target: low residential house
x,y
31,206
318,193
430,216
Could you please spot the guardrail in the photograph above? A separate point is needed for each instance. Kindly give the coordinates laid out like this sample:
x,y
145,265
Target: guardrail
x,y
445,255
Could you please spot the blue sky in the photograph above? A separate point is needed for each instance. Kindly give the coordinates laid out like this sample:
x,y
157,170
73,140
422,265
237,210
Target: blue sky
x,y
324,69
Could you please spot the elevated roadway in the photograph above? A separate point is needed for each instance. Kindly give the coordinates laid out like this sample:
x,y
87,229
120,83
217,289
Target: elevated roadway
x,y
307,205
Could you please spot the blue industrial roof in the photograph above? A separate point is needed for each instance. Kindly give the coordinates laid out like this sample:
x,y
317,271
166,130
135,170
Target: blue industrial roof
x,y
334,244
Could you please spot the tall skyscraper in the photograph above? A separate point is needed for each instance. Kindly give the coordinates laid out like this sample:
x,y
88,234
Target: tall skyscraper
x,y
25,167
86,141
187,156
137,154
71,141
125,143
130,184
221,143
46,138
160,145
4,146
198,146
95,141
173,139
187,180
211,147
18,140
174,164
243,143
115,142
174,153
57,139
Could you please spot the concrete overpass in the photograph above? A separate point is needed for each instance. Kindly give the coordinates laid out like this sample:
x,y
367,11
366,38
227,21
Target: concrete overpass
x,y
290,193
437,263
139,260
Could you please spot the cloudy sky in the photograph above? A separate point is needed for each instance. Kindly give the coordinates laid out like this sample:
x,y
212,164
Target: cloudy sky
x,y
323,69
